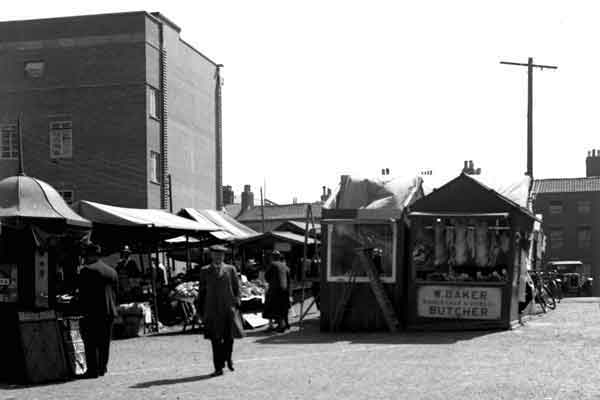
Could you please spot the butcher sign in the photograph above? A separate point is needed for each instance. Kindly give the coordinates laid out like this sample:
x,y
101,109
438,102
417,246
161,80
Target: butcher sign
x,y
459,302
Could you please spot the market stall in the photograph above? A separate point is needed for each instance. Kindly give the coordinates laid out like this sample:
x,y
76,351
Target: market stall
x,y
470,244
363,230
39,248
145,231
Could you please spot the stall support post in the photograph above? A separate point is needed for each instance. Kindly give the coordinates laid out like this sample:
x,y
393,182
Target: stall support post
x,y
154,270
188,262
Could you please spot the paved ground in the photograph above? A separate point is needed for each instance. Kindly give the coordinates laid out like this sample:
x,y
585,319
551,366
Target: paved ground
x,y
554,356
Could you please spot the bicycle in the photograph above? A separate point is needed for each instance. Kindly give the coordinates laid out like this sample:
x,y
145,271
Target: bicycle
x,y
543,294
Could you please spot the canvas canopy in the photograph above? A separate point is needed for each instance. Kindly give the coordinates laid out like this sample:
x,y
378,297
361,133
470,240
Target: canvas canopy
x,y
26,197
138,217
273,236
228,228
377,193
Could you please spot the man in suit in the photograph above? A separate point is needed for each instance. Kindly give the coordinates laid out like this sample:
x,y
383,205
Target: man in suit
x,y
97,297
220,293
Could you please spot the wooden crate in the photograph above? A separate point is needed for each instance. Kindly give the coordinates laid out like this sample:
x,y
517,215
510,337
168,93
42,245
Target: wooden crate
x,y
42,347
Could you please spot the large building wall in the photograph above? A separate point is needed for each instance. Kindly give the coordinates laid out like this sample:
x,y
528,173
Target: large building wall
x,y
569,220
192,147
99,72
94,76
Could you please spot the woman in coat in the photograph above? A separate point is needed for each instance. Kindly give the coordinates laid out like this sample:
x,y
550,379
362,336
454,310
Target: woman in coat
x,y
220,289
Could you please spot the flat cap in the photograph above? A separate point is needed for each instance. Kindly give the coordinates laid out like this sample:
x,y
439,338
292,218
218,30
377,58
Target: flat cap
x,y
218,248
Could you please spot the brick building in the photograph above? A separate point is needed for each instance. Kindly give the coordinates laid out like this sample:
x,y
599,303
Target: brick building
x,y
571,210
112,105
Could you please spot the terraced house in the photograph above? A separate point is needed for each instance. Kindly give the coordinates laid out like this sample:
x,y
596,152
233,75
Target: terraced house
x,y
571,210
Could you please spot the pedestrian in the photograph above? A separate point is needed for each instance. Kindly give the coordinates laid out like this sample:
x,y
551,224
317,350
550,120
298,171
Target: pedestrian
x,y
127,265
98,283
220,295
277,299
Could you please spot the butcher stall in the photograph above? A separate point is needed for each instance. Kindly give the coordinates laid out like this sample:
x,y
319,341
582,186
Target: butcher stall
x,y
470,246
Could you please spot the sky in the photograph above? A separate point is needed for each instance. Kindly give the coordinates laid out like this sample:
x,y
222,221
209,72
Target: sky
x,y
316,89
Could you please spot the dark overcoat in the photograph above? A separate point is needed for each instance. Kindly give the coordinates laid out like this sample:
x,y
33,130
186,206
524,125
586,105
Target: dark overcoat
x,y
98,283
220,290
277,301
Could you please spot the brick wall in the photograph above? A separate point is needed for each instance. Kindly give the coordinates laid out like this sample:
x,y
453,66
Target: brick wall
x,y
569,220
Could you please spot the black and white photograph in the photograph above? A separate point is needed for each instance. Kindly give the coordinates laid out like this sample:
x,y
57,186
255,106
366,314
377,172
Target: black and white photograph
x,y
299,200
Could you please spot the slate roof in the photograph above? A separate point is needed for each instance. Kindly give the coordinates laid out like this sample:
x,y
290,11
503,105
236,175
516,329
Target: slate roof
x,y
566,185
280,212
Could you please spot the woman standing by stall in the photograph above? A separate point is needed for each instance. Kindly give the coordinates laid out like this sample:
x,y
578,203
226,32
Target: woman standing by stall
x,y
277,302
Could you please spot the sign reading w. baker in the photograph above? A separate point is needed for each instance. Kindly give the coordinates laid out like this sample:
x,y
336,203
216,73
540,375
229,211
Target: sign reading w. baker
x,y
459,302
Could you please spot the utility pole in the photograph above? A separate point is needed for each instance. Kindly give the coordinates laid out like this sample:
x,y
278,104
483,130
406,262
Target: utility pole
x,y
530,65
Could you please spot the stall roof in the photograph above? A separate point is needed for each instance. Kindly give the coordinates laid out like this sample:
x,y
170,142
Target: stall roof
x,y
375,193
26,197
278,236
140,217
229,228
458,195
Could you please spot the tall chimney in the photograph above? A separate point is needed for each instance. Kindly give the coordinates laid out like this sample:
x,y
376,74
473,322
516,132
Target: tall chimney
x,y
247,199
228,195
592,163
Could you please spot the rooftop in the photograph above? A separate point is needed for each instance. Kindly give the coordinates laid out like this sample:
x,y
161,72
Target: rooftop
x,y
280,212
566,185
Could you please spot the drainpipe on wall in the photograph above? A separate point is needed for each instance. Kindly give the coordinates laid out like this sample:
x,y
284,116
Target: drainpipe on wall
x,y
164,166
218,140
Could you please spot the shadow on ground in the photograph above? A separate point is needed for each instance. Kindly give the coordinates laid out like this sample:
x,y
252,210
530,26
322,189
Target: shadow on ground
x,y
310,333
164,382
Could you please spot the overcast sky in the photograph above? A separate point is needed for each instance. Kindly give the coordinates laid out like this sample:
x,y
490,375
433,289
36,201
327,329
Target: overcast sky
x,y
316,89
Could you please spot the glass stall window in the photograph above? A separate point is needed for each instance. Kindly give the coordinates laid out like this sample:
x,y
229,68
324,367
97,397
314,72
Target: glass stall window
x,y
377,241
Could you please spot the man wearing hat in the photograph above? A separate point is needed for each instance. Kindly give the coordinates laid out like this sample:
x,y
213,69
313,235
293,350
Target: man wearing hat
x,y
128,264
220,292
97,301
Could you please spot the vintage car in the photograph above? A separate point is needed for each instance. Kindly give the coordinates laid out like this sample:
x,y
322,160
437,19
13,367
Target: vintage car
x,y
575,280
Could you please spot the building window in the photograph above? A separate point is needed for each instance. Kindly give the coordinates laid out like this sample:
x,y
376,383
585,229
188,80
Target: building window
x,y
61,139
9,143
557,238
584,206
556,207
584,237
344,238
34,69
68,196
153,103
154,167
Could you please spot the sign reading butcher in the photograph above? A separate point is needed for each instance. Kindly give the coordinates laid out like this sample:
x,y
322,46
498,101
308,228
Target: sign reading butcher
x,y
460,302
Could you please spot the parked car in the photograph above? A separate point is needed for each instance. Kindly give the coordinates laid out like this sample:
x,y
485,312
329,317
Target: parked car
x,y
575,281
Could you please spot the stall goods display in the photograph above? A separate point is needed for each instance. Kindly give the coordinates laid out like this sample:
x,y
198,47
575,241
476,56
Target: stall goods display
x,y
252,288
186,290
461,249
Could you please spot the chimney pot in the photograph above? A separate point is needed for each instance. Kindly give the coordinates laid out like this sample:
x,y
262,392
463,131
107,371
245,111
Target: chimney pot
x,y
466,164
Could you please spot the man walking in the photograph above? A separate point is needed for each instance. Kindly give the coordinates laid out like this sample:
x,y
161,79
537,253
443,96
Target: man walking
x,y
97,297
220,292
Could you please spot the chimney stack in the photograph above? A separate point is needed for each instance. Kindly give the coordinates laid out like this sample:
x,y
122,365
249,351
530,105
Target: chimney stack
x,y
228,195
247,199
592,163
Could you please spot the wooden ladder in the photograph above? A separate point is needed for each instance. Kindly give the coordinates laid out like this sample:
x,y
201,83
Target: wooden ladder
x,y
340,311
387,309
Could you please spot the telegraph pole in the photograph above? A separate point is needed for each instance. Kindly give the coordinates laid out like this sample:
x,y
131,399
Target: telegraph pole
x,y
530,65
